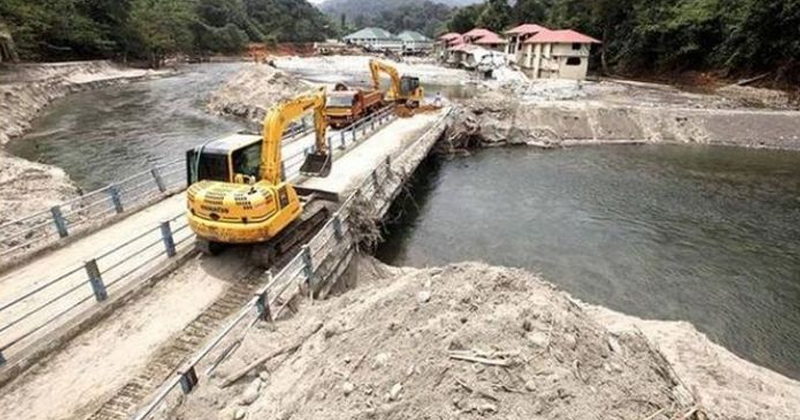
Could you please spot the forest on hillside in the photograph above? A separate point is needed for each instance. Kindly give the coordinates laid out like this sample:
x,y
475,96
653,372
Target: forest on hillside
x,y
155,29
733,37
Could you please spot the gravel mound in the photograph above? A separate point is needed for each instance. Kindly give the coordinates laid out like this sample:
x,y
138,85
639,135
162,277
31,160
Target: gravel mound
x,y
253,90
467,340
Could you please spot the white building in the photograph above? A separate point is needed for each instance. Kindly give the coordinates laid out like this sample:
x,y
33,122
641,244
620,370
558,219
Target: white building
x,y
375,39
415,42
562,54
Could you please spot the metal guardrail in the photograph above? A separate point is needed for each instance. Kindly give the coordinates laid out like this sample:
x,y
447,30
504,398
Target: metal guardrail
x,y
67,293
45,227
58,297
303,270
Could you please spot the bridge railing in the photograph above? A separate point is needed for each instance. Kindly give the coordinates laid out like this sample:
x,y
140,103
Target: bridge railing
x,y
62,296
81,214
53,300
322,258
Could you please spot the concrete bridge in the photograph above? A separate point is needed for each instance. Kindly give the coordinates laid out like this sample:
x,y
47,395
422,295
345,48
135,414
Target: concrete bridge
x,y
121,320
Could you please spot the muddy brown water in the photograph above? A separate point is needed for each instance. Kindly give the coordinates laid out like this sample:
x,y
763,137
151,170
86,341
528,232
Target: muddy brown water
x,y
103,135
709,235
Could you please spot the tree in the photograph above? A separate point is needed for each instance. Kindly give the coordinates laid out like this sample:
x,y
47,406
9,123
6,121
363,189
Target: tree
x,y
495,16
162,27
465,18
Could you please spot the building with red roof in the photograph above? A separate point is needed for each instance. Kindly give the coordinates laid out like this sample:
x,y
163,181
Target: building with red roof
x,y
519,34
561,54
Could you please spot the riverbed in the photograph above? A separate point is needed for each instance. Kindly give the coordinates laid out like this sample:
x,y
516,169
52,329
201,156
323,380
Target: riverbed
x,y
100,136
697,233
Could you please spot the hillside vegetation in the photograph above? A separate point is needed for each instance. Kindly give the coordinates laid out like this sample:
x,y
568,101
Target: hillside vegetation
x,y
661,36
154,29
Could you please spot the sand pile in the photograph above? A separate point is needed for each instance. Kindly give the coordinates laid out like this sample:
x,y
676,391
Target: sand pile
x,y
253,90
466,340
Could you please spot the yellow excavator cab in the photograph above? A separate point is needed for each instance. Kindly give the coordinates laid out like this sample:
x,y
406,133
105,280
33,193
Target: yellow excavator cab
x,y
237,193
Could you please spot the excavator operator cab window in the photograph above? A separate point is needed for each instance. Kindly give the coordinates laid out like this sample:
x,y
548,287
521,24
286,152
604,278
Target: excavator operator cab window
x,y
246,161
206,166
408,84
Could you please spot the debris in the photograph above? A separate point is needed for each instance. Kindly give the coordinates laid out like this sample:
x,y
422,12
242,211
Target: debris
x,y
394,393
476,359
423,296
348,388
251,393
288,349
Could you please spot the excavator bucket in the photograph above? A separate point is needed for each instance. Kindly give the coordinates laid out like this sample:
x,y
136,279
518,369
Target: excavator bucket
x,y
317,164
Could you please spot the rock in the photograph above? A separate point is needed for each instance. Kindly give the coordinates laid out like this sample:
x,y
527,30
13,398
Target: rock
x,y
570,341
530,385
613,344
487,408
537,338
394,393
381,360
251,393
263,375
348,388
239,414
423,296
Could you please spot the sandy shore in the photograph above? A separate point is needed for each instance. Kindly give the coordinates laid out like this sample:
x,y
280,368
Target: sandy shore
x,y
26,89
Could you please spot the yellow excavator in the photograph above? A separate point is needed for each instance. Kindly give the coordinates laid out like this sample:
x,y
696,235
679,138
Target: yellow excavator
x,y
403,90
237,192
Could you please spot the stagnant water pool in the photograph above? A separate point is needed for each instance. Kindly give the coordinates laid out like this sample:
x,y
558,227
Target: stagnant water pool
x,y
709,235
100,136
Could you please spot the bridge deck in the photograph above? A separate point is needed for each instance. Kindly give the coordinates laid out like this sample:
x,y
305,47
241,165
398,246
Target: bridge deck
x,y
81,376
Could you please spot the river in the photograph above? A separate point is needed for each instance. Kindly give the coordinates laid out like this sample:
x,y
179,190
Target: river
x,y
710,235
100,136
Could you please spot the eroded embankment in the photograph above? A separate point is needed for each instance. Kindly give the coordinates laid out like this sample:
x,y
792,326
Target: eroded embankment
x,y
570,116
253,90
472,341
26,90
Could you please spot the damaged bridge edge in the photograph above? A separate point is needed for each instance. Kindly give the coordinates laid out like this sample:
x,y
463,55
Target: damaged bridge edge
x,y
324,260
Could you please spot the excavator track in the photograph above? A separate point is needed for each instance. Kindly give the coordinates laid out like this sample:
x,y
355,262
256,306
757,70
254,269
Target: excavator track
x,y
169,356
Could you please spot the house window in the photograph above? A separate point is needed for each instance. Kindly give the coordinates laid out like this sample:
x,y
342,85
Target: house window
x,y
576,46
573,61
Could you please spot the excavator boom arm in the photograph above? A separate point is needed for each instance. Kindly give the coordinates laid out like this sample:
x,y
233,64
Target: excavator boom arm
x,y
280,116
376,67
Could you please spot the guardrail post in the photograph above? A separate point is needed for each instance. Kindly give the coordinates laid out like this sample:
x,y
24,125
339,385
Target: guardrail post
x,y
337,226
375,179
389,164
355,133
341,135
188,380
2,359
166,236
262,306
308,265
113,190
159,181
58,219
100,292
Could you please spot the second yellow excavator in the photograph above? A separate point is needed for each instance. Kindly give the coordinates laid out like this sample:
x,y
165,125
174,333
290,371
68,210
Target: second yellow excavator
x,y
237,194
403,90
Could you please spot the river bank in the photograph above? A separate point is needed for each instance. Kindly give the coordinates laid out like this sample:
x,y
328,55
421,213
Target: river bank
x,y
563,113
26,90
474,341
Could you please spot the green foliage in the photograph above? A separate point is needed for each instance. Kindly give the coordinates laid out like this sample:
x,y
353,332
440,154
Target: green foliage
x,y
653,36
154,29
496,15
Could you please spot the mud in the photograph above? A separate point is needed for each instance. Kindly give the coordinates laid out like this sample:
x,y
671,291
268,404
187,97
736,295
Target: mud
x,y
472,341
